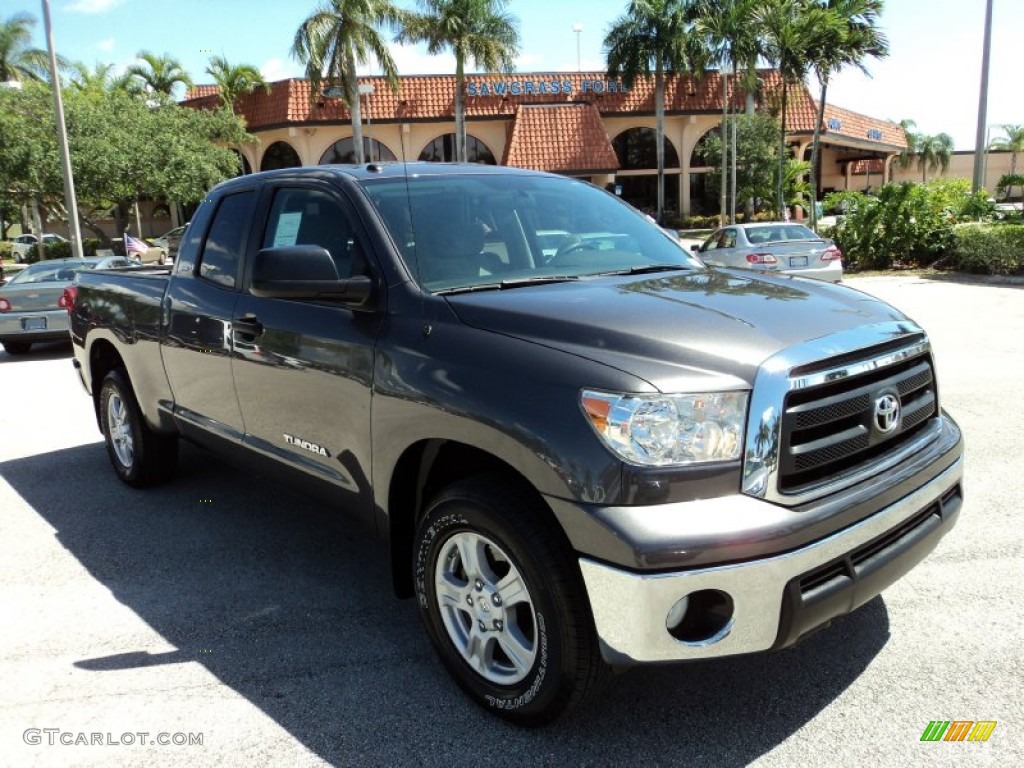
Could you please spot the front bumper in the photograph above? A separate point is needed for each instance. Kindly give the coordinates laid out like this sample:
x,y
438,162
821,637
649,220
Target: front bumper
x,y
775,600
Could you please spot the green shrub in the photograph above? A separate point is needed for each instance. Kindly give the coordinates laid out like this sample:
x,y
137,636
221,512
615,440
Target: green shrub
x,y
843,201
57,249
5,249
991,249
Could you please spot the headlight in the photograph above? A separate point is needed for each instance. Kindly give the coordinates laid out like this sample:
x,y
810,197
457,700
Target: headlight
x,y
666,430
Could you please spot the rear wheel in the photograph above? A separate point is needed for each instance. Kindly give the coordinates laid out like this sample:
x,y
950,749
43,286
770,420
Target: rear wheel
x,y
17,347
504,603
140,456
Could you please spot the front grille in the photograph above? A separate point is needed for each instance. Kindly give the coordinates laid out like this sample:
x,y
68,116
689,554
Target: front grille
x,y
834,428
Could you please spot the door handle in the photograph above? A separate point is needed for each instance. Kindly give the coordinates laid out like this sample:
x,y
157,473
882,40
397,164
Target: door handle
x,y
247,324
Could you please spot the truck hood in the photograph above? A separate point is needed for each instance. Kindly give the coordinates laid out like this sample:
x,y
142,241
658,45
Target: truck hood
x,y
678,332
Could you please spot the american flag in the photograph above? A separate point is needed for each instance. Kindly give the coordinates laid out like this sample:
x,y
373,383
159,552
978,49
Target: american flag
x,y
131,245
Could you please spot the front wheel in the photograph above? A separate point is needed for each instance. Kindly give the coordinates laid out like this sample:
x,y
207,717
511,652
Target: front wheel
x,y
503,601
140,456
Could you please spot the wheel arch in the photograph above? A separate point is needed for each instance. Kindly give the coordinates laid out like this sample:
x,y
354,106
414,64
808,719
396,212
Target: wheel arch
x,y
423,469
103,358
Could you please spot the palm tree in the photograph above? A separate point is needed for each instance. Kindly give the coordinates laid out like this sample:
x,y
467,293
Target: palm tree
x,y
848,40
336,38
18,60
907,156
730,40
159,74
933,153
1012,142
787,27
101,78
480,30
652,32
234,80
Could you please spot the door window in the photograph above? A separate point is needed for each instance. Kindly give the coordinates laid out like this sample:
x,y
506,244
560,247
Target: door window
x,y
311,217
222,252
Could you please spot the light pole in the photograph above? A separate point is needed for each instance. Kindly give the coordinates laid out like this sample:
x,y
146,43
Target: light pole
x,y
980,149
578,29
70,203
366,89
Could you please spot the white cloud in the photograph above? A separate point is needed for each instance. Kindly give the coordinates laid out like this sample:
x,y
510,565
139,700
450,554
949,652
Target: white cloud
x,y
106,45
278,69
93,6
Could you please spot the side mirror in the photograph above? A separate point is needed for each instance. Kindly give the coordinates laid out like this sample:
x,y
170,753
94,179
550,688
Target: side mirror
x,y
306,272
695,248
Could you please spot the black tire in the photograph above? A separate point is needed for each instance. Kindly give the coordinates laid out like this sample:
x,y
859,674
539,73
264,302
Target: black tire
x,y
18,347
517,536
140,456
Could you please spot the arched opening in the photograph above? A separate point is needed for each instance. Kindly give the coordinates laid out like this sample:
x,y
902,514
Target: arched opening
x,y
344,152
442,150
637,150
244,169
280,154
706,153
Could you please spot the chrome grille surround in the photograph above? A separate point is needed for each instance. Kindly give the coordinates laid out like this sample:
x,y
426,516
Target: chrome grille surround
x,y
769,466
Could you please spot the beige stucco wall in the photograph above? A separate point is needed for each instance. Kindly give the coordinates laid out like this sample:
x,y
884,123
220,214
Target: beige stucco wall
x,y
961,166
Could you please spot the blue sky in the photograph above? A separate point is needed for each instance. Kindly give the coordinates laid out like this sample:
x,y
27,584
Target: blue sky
x,y
930,77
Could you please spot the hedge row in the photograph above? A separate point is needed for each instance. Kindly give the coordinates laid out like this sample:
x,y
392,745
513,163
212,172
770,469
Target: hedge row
x,y
989,249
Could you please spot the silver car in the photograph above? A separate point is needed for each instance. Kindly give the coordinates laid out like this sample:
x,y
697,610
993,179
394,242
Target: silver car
x,y
23,245
32,303
781,247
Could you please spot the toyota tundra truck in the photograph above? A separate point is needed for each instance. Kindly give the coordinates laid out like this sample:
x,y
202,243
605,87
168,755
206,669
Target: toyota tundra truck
x,y
585,449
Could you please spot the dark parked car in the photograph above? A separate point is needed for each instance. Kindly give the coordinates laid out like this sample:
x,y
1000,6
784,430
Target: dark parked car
x,y
584,451
784,247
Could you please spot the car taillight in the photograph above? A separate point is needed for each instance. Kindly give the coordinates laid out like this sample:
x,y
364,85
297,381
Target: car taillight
x,y
761,258
5,305
831,254
67,299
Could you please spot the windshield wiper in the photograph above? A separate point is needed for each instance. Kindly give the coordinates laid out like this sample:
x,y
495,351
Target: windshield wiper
x,y
648,268
519,282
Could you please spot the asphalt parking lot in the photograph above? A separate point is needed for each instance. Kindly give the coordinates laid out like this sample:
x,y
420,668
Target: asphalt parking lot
x,y
238,612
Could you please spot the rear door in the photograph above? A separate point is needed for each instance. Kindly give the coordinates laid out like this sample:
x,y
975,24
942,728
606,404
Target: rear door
x,y
303,369
198,309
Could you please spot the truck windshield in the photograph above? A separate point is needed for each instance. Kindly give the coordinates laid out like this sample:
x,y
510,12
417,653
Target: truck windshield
x,y
462,231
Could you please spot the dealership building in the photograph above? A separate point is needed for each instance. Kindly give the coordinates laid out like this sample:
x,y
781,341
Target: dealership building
x,y
579,124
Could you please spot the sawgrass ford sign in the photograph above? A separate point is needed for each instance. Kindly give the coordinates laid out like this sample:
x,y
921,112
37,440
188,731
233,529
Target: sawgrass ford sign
x,y
542,86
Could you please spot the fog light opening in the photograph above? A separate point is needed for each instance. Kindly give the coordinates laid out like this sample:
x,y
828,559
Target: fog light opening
x,y
701,618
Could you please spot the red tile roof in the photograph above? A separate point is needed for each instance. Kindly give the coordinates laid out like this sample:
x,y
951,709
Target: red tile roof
x,y
562,138
428,98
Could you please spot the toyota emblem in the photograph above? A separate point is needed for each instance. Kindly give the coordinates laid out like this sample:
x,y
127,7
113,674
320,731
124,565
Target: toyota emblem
x,y
887,413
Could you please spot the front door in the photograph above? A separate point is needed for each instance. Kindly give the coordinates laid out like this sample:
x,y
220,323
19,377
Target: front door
x,y
304,369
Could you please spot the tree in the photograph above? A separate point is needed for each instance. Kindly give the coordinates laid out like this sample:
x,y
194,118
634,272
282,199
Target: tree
x,y
235,80
160,74
335,39
121,148
1012,142
18,60
730,41
848,39
788,28
756,167
102,78
933,153
907,156
480,30
653,34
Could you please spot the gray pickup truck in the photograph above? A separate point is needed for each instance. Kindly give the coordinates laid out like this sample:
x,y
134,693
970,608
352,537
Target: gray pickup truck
x,y
583,457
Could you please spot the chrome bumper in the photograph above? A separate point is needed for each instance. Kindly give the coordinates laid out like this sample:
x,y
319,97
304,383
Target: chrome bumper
x,y
630,609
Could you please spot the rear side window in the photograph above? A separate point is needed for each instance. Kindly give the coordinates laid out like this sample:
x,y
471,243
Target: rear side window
x,y
222,251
